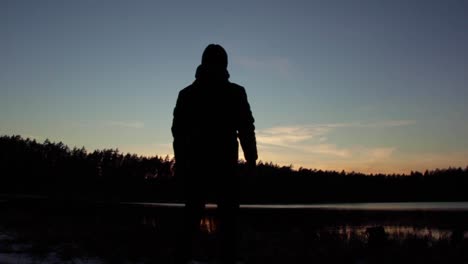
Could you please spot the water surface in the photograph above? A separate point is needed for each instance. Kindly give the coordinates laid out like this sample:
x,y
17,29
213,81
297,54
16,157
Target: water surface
x,y
319,233
411,206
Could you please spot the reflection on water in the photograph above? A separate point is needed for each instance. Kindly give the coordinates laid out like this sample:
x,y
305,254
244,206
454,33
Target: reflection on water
x,y
411,206
394,232
395,206
138,234
150,221
208,225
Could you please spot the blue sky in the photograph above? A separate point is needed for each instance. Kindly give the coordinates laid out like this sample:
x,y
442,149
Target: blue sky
x,y
366,85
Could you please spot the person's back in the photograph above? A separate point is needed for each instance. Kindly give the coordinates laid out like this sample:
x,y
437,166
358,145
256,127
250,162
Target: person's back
x,y
209,117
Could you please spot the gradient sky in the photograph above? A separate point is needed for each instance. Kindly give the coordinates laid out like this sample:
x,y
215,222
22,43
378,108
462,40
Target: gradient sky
x,y
365,85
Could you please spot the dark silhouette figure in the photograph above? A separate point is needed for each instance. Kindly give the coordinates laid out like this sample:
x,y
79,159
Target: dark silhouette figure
x,y
376,236
210,116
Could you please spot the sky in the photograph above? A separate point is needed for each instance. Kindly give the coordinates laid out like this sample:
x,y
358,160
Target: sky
x,y
367,85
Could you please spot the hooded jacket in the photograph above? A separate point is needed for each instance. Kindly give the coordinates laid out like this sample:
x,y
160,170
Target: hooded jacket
x,y
210,116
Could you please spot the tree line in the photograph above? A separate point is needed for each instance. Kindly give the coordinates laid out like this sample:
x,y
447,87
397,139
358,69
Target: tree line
x,y
55,170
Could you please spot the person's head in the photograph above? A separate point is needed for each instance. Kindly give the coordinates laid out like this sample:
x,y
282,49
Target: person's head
x,y
215,56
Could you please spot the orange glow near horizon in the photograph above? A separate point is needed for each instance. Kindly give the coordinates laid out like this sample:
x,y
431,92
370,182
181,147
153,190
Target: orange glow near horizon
x,y
208,225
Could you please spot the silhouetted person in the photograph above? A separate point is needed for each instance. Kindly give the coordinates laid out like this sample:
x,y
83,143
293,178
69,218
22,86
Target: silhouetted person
x,y
210,116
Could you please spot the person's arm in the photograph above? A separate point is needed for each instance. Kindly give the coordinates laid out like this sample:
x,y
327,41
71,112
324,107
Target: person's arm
x,y
246,130
178,123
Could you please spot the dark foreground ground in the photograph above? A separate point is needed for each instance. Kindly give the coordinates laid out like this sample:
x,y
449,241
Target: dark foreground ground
x,y
39,232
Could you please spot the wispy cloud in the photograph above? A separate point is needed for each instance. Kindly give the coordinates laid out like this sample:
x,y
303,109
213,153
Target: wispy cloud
x,y
380,153
303,139
313,142
377,124
326,149
386,123
106,124
287,135
125,124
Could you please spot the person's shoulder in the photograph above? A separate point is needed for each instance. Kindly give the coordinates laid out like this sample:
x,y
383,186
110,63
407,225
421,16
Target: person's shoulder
x,y
237,88
186,90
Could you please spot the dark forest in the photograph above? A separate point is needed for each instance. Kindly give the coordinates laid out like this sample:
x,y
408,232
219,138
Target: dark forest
x,y
53,170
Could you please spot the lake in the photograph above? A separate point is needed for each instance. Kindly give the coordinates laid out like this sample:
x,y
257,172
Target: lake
x,y
38,232
463,206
